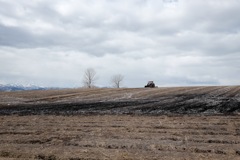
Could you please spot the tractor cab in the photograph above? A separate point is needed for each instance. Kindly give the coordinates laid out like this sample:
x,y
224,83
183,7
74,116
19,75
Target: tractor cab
x,y
150,84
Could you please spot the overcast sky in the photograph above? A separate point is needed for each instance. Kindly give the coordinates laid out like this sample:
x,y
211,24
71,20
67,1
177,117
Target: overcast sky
x,y
172,42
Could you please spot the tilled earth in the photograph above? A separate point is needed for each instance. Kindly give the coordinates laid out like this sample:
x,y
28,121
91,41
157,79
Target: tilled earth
x,y
119,137
157,101
130,123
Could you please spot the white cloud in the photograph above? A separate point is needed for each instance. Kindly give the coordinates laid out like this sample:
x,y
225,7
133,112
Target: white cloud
x,y
177,42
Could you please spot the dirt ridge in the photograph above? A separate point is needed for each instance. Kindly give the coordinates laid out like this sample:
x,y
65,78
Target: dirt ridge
x,y
175,100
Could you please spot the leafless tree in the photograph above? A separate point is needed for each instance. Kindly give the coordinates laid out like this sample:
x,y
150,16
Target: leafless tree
x,y
117,80
89,78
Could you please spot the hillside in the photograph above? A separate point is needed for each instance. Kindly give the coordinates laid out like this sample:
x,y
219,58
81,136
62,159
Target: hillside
x,y
208,100
121,123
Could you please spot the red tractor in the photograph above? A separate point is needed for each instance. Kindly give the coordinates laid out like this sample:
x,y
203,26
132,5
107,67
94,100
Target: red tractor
x,y
150,85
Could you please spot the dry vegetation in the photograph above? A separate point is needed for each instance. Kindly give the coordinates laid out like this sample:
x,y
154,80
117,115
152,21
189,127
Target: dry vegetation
x,y
120,137
160,123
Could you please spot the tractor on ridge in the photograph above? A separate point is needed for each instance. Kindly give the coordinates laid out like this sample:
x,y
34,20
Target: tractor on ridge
x,y
150,84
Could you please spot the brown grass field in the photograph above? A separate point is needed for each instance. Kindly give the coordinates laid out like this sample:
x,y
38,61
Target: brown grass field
x,y
159,123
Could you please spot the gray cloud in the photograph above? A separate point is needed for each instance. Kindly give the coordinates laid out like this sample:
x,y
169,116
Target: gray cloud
x,y
178,42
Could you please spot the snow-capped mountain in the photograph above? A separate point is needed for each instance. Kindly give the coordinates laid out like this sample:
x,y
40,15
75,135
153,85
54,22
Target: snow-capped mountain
x,y
20,87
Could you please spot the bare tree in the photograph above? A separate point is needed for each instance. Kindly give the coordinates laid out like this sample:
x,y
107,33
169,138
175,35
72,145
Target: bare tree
x,y
117,80
89,78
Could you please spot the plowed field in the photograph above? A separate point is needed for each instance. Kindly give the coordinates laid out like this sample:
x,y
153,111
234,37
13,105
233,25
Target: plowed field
x,y
140,101
120,137
160,123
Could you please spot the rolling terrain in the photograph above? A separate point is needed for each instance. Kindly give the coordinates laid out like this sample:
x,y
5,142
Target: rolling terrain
x,y
129,123
157,101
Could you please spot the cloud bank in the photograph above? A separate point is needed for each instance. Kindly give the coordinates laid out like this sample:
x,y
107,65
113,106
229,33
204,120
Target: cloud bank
x,y
173,42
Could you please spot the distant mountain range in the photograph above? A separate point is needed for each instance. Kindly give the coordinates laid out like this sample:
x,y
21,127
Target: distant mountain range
x,y
19,87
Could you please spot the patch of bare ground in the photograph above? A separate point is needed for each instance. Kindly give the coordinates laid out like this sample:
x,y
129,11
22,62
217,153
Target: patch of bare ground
x,y
127,123
209,100
119,137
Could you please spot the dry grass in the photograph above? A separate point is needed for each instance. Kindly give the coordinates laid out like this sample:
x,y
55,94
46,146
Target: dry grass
x,y
120,137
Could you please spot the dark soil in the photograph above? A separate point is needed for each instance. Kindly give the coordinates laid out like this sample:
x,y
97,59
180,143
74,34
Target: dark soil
x,y
181,104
